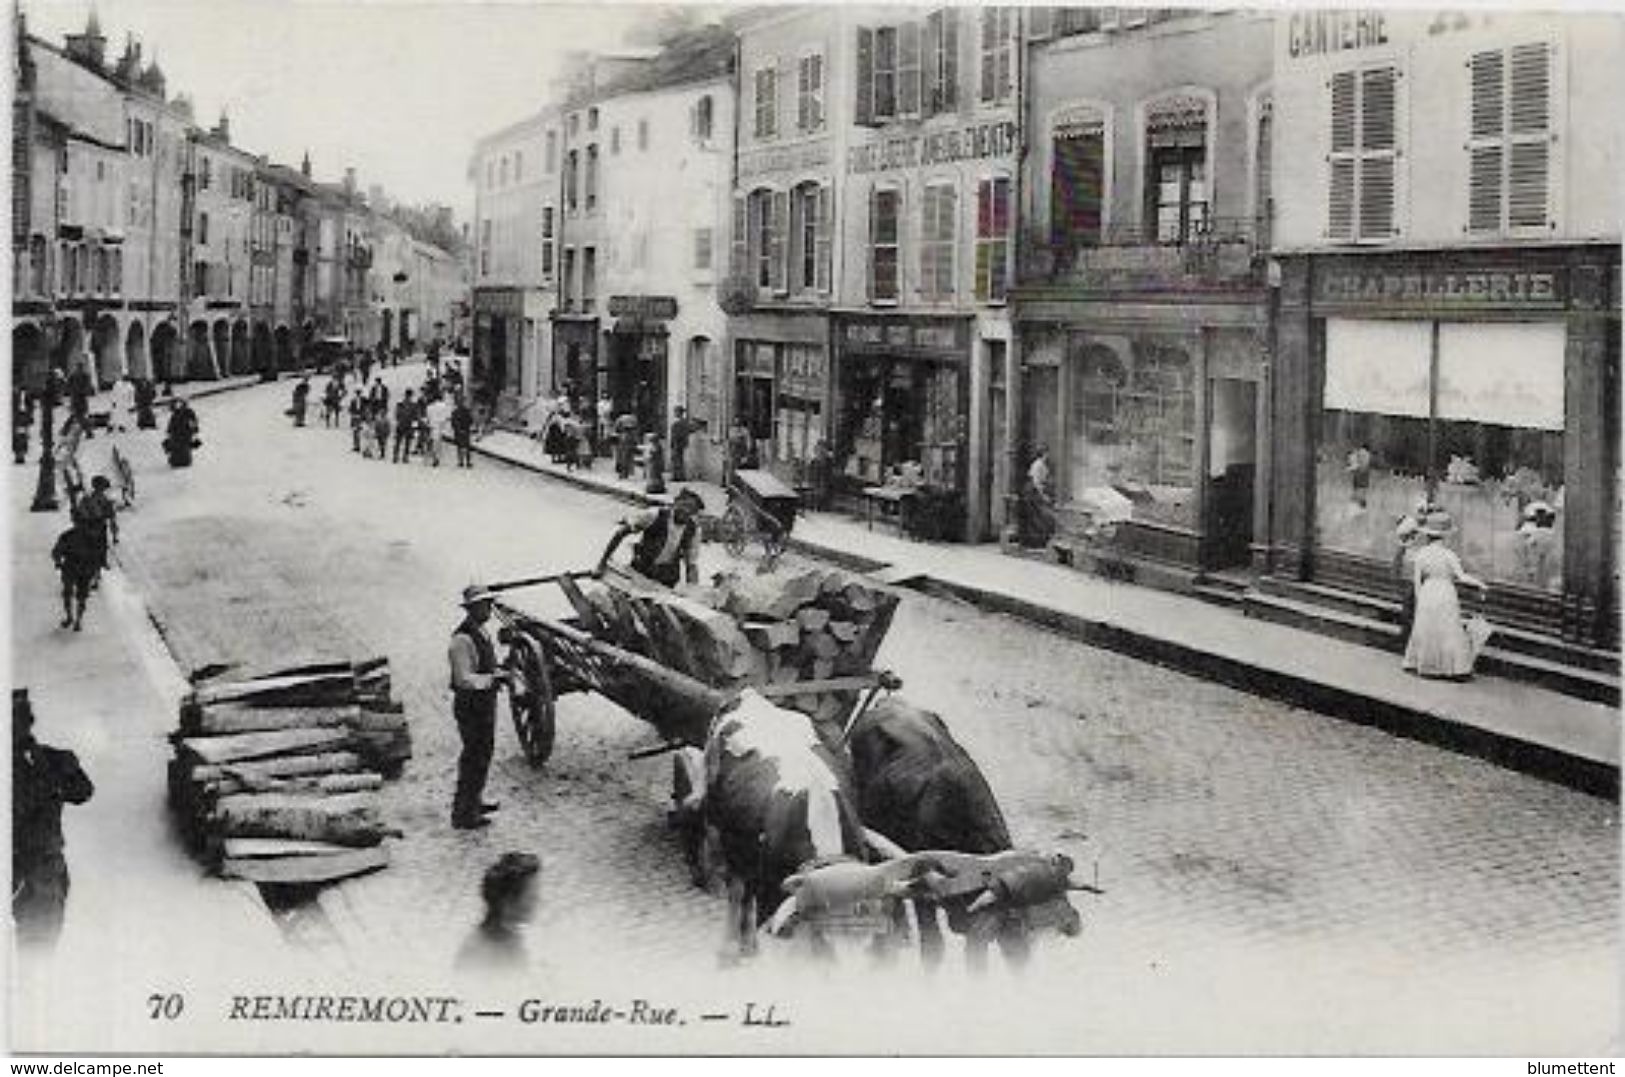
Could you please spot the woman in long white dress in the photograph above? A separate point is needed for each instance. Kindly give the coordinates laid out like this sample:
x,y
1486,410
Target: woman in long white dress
x,y
1439,645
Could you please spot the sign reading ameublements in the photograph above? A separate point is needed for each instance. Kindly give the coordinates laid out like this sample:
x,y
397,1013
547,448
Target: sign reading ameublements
x,y
973,143
1476,288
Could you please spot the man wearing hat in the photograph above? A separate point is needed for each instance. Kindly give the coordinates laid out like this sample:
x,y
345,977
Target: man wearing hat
x,y
99,517
42,780
668,543
475,678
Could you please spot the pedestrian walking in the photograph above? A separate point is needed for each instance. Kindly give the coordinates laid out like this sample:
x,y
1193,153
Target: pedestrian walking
x,y
626,444
511,890
97,514
69,474
406,422
80,389
380,430
77,558
146,395
1407,540
123,402
654,464
1439,644
181,436
1038,501
437,418
462,432
43,779
333,401
682,428
358,421
301,400
604,421
475,678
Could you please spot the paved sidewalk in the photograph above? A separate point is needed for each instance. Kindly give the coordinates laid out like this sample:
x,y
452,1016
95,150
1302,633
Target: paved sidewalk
x,y
140,910
1509,722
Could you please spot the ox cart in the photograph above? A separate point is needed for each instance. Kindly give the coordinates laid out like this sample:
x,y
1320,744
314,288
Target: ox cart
x,y
631,650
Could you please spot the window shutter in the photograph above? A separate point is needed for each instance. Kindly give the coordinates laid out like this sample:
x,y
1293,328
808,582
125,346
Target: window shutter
x,y
1340,188
783,79
931,65
825,215
1378,131
990,23
779,251
1529,116
950,59
1004,53
908,69
740,256
1040,23
865,80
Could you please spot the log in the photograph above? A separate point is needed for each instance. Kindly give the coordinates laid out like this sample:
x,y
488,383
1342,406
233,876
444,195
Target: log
x,y
225,719
296,690
823,669
771,635
774,597
822,646
280,767
812,619
859,597
369,720
843,631
343,819
244,746
314,783
317,868
249,848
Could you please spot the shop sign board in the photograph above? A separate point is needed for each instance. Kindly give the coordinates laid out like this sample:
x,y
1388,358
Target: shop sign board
x,y
643,308
1448,288
975,142
948,339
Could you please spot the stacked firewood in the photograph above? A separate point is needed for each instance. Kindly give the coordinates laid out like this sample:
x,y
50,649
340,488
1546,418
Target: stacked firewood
x,y
275,775
771,630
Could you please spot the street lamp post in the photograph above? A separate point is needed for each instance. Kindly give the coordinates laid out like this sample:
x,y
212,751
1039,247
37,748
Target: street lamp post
x,y
45,489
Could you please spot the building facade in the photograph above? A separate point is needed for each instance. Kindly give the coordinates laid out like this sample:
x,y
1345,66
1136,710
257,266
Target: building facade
x,y
1142,305
1449,303
516,174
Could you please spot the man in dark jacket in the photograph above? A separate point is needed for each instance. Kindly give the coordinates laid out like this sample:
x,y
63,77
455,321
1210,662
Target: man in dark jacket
x,y
462,432
78,558
98,515
682,428
42,780
475,678
668,540
406,424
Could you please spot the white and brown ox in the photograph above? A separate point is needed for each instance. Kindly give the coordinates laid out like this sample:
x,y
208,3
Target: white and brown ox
x,y
776,799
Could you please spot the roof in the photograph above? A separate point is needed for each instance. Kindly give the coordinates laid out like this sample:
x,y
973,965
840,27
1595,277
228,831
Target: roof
x,y
696,56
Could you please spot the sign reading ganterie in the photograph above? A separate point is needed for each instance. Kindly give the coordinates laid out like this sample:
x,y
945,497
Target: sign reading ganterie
x,y
643,308
1318,33
1478,288
784,159
973,143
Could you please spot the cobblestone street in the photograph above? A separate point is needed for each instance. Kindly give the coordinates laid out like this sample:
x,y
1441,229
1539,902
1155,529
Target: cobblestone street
x,y
1276,880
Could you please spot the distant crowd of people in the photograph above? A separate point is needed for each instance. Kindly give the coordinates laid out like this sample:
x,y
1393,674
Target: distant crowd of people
x,y
576,431
383,427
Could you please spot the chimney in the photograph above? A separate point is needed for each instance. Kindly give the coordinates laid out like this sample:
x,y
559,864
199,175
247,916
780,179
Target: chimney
x,y
349,181
88,48
304,166
222,129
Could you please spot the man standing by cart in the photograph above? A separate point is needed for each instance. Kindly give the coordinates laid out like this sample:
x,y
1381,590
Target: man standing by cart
x,y
668,540
475,678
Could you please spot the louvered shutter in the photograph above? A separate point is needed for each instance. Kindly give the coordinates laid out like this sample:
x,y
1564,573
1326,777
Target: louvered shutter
x,y
783,79
1486,157
802,94
1529,116
1378,132
779,251
740,255
865,80
989,73
822,253
1004,53
1077,185
950,59
1340,187
931,64
1040,23
908,69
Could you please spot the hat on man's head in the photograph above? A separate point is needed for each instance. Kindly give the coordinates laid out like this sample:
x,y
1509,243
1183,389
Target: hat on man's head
x,y
1536,509
101,482
475,592
687,494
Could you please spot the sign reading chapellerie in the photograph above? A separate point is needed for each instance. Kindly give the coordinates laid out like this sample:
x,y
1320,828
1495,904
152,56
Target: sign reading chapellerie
x,y
973,143
1475,288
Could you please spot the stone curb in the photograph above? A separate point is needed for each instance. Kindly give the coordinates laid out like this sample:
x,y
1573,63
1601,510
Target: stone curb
x,y
1412,722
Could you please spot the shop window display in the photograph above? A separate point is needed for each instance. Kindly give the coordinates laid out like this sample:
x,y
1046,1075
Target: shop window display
x,y
1473,423
901,415
1133,430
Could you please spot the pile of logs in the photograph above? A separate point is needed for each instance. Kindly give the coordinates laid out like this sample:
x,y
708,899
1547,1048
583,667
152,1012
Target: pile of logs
x,y
275,774
769,630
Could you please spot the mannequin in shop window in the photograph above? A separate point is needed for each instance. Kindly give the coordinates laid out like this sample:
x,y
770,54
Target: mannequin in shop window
x,y
1038,501
1359,469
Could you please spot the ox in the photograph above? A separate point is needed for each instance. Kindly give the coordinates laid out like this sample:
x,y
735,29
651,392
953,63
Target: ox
x,y
776,799
919,788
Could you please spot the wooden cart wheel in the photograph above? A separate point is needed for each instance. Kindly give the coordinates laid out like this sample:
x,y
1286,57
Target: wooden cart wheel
x,y
733,530
531,700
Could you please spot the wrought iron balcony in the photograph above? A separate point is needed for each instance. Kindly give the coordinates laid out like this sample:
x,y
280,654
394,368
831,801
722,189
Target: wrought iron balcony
x,y
1221,254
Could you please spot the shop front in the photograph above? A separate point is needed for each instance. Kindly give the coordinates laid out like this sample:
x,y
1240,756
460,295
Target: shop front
x,y
498,329
1151,419
575,355
902,411
1485,383
636,351
781,393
